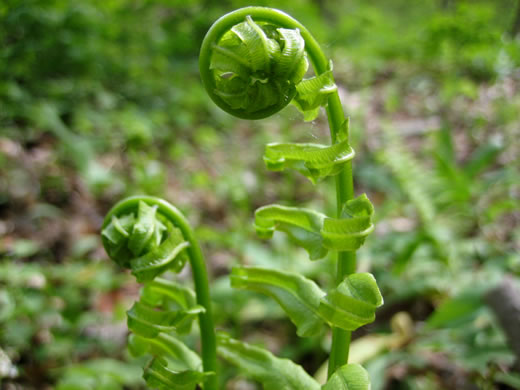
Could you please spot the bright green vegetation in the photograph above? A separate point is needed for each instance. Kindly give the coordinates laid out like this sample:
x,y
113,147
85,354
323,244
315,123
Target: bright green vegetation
x,y
103,100
252,64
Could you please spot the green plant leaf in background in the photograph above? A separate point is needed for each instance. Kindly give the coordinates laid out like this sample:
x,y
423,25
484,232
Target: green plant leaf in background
x,y
264,367
348,377
457,310
157,375
99,374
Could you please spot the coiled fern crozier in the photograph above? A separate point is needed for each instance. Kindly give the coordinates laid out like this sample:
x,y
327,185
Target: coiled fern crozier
x,y
253,62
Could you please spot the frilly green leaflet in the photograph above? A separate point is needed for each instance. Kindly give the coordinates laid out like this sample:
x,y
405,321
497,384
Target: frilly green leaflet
x,y
297,295
312,93
314,161
301,225
149,321
316,232
160,291
353,303
349,306
165,345
349,232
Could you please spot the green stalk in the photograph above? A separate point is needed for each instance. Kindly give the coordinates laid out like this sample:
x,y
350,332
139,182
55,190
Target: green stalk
x,y
200,277
346,261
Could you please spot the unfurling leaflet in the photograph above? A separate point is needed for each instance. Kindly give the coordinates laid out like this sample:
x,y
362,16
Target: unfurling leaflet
x,y
316,232
351,305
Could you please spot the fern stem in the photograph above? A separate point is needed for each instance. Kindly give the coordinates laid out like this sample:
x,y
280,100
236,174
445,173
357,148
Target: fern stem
x,y
199,272
336,118
346,261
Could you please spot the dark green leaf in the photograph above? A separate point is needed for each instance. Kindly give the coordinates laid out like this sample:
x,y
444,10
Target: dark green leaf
x,y
456,311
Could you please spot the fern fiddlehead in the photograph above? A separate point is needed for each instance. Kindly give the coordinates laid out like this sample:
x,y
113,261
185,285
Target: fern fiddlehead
x,y
246,57
252,64
150,236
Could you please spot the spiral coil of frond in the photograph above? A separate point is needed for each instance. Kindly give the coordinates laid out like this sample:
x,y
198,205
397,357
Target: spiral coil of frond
x,y
250,68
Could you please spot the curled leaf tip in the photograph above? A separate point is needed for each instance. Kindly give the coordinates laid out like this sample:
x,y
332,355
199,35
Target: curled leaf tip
x,y
353,303
314,161
253,66
144,240
314,231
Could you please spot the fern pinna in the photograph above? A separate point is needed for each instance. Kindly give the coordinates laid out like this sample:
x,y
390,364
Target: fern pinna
x,y
252,63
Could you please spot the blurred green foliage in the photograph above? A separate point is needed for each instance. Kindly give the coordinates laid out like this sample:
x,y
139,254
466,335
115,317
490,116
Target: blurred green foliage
x,y
99,100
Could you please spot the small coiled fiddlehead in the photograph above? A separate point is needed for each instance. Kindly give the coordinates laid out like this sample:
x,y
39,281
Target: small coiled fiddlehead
x,y
150,236
254,68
